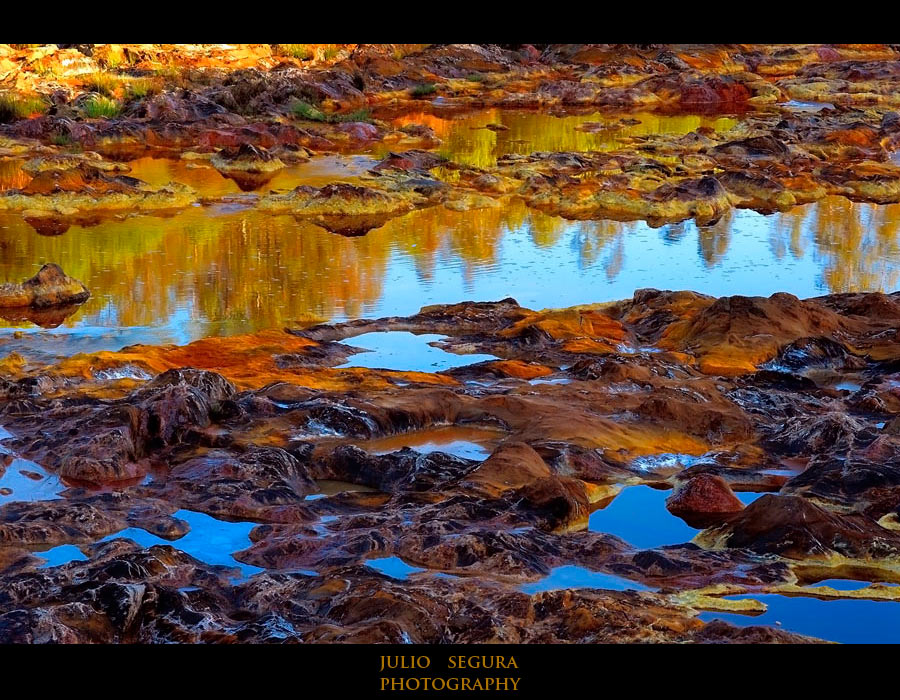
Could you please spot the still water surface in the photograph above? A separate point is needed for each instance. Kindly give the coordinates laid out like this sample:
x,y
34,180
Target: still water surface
x,y
227,269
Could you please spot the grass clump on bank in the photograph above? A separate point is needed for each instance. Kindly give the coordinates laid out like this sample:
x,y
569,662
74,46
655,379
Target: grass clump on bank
x,y
100,107
17,106
102,83
304,110
307,52
139,88
423,90
300,51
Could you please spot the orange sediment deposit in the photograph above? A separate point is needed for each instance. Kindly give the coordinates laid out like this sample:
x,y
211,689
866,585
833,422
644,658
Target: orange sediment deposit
x,y
249,361
520,370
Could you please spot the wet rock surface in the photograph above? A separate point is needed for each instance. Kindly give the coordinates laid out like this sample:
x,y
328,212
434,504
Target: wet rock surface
x,y
259,456
50,287
262,488
821,123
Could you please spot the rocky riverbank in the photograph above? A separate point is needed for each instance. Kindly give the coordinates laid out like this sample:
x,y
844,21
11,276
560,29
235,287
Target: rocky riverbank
x,y
249,121
704,398
457,474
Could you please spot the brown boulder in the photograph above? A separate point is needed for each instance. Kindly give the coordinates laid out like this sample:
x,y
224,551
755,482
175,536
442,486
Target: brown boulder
x,y
703,499
511,466
49,287
796,528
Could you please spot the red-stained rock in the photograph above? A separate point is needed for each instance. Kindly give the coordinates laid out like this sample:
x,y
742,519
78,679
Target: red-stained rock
x,y
796,528
703,499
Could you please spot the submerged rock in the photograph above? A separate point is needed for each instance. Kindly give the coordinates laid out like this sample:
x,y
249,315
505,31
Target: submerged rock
x,y
250,167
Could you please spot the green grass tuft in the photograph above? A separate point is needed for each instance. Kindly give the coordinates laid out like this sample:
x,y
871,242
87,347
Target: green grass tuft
x,y
423,90
304,110
301,51
99,107
140,88
16,106
102,83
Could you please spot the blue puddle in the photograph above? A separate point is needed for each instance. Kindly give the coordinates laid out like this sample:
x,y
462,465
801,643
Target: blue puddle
x,y
394,567
638,515
846,621
747,497
460,441
63,554
22,487
664,462
579,577
400,350
457,448
209,540
801,106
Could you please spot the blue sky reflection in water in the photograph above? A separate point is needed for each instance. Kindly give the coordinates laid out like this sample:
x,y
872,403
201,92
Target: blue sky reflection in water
x,y
400,350
209,540
638,515
200,272
846,621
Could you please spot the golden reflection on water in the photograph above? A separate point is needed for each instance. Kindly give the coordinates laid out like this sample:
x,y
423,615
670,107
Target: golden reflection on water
x,y
226,268
210,183
467,141
233,271
856,243
12,176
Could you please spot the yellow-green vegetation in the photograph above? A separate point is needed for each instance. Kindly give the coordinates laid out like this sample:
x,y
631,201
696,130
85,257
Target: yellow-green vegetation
x,y
301,51
168,74
139,88
17,106
304,110
100,107
118,86
423,90
476,78
102,83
